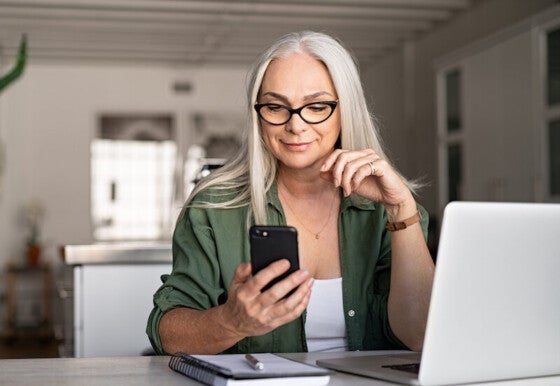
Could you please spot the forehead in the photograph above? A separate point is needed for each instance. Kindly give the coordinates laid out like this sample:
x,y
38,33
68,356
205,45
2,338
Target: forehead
x,y
297,74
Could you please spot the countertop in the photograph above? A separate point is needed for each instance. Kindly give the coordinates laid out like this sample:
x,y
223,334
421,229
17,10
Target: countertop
x,y
118,253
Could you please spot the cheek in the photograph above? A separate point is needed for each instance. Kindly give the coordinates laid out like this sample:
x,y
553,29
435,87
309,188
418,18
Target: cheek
x,y
268,135
331,132
335,127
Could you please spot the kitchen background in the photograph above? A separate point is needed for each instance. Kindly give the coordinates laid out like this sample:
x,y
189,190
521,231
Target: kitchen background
x,y
122,105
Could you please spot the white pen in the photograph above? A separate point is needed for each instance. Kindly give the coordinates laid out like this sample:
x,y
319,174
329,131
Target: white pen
x,y
254,362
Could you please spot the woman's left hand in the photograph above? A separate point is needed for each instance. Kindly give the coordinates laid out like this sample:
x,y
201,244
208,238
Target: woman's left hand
x,y
365,173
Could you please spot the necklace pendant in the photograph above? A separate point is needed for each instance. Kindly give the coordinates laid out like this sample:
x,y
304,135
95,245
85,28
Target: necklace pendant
x,y
316,236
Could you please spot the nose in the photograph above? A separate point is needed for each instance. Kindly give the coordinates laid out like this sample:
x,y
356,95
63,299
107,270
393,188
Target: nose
x,y
296,125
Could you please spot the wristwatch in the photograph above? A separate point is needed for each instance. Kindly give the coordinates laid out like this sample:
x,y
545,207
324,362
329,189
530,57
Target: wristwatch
x,y
399,225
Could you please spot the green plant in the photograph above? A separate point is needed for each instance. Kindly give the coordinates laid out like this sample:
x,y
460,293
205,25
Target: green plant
x,y
33,214
16,71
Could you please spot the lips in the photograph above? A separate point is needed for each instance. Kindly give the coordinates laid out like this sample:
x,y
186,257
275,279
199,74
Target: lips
x,y
297,146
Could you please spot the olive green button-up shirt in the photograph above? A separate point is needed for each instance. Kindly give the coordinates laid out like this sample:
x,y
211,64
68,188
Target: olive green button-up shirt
x,y
208,245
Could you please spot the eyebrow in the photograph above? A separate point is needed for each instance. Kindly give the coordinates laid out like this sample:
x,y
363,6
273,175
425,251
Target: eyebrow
x,y
305,98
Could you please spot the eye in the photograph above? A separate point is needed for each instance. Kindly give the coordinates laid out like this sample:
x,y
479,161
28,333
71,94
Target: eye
x,y
274,108
317,107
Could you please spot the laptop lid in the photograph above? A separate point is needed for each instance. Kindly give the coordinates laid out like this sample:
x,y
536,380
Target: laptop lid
x,y
495,306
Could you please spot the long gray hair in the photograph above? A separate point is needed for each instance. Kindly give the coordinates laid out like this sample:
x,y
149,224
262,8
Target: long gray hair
x,y
253,170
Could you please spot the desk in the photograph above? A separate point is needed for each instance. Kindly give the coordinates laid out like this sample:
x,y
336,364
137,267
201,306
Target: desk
x,y
154,371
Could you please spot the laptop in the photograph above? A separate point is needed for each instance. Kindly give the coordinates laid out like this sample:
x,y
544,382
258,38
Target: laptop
x,y
495,306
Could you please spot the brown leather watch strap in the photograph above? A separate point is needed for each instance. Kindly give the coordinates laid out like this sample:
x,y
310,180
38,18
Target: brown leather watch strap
x,y
399,225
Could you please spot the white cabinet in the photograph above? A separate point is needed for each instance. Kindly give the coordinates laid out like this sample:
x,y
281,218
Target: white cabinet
x,y
113,287
111,308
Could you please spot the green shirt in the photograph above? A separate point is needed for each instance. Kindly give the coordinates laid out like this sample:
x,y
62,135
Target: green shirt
x,y
208,245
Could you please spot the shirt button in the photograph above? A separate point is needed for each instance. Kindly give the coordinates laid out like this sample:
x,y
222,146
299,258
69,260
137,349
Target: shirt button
x,y
351,313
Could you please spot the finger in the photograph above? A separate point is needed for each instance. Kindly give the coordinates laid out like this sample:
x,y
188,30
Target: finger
x,y
352,167
303,291
283,287
266,312
293,306
339,165
365,170
381,167
331,159
240,289
272,271
242,273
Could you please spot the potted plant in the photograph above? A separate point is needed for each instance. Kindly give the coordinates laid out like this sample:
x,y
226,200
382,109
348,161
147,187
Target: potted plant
x,y
33,213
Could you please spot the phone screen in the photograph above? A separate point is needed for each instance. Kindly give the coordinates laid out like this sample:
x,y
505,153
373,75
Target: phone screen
x,y
270,243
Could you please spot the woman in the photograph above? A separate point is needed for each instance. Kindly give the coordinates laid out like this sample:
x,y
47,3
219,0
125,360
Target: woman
x,y
311,159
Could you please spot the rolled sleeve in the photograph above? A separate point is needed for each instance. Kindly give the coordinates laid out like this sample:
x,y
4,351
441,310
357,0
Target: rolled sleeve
x,y
195,281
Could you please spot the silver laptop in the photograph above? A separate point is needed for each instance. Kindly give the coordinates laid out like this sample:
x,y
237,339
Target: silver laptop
x,y
495,306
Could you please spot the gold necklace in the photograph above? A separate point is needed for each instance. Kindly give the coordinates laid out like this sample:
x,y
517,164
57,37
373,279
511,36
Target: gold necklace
x,y
316,234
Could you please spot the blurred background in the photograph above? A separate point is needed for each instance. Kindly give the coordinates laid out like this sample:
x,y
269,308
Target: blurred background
x,y
110,110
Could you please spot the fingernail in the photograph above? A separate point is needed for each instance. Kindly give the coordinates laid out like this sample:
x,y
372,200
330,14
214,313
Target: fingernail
x,y
324,167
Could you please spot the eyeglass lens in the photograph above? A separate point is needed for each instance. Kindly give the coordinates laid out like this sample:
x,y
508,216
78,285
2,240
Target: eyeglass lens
x,y
311,113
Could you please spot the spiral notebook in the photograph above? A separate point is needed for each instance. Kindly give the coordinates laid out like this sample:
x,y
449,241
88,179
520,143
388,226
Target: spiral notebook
x,y
233,369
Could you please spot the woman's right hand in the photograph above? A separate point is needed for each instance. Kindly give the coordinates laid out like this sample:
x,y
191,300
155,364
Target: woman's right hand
x,y
250,312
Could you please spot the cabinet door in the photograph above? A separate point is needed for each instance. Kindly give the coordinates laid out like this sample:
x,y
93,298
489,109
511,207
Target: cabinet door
x,y
111,308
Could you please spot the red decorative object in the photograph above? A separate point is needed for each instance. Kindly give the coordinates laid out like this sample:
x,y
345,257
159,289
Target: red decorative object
x,y
33,255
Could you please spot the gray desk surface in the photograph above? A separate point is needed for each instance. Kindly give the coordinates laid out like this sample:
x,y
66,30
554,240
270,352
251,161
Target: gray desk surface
x,y
154,371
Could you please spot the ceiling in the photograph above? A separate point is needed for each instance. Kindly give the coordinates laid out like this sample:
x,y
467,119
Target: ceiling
x,y
207,32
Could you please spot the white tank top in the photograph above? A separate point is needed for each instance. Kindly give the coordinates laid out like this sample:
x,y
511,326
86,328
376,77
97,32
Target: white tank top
x,y
325,328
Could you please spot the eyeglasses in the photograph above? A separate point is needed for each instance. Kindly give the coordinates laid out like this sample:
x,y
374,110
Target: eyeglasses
x,y
315,112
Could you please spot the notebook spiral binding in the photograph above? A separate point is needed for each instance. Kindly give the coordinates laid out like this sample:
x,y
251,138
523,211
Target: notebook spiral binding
x,y
196,369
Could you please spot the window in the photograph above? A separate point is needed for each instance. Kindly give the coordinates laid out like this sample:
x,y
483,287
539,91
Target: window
x,y
553,67
554,157
132,170
552,112
454,162
453,101
451,133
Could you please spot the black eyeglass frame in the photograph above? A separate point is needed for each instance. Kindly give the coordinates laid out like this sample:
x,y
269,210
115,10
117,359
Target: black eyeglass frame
x,y
331,104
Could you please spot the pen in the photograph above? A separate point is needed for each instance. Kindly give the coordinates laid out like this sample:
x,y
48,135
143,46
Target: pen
x,y
254,362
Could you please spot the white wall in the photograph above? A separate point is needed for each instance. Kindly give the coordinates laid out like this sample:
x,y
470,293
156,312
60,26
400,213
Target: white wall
x,y
499,147
413,123
48,119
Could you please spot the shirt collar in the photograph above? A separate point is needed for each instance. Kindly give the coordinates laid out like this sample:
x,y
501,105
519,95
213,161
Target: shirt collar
x,y
272,197
357,202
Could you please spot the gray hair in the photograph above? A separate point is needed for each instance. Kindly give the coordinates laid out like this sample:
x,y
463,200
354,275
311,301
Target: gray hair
x,y
252,172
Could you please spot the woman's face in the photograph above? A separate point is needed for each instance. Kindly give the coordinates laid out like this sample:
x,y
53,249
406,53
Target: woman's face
x,y
294,81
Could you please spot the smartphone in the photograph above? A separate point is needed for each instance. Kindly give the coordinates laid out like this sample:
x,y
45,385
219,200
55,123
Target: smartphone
x,y
270,243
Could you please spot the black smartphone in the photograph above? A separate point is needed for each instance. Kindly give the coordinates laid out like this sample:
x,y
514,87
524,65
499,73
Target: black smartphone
x,y
270,243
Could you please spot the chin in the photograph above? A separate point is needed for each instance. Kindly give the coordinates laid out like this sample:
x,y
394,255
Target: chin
x,y
294,163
